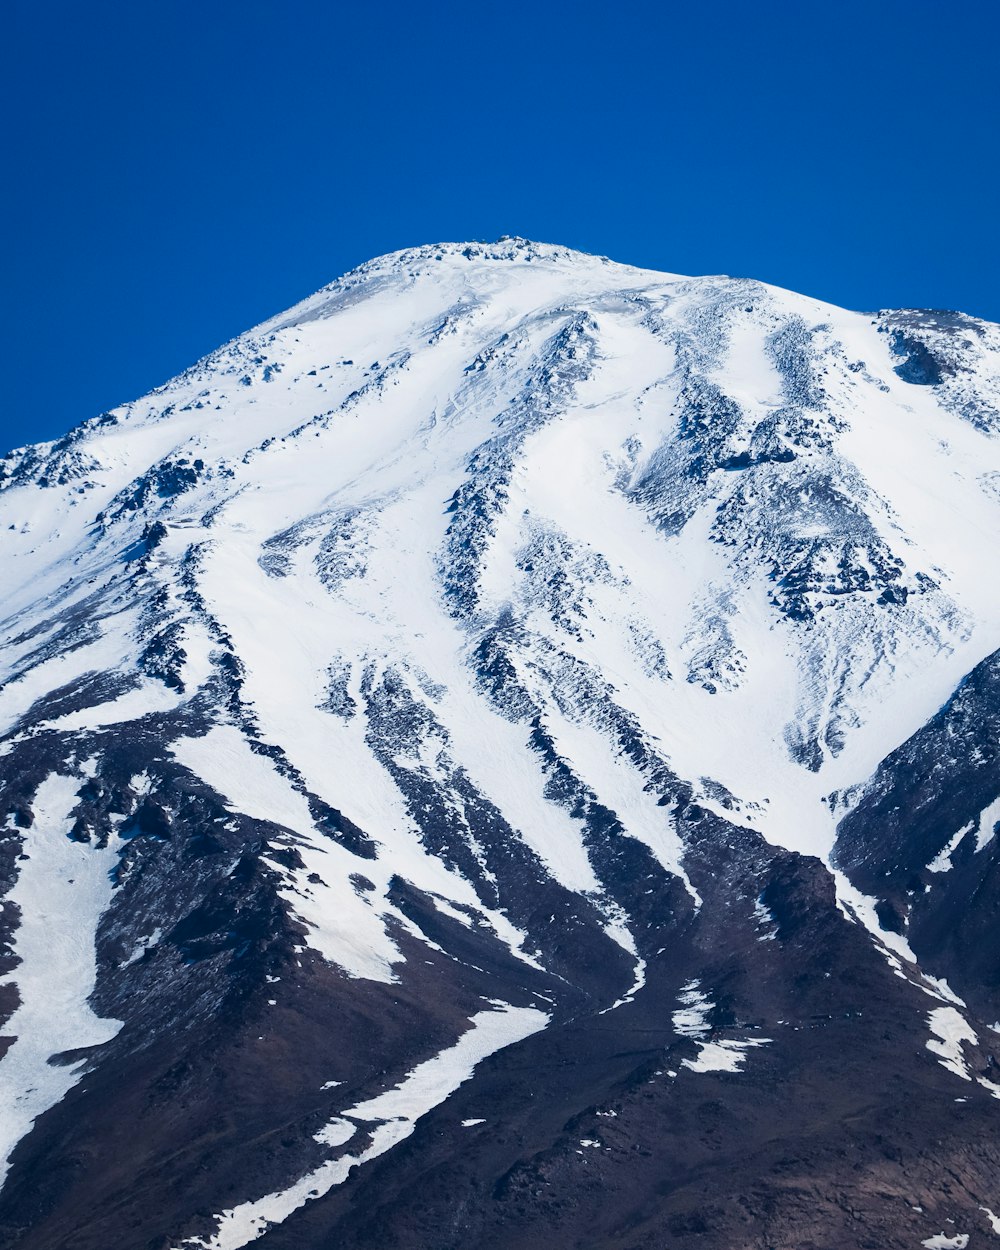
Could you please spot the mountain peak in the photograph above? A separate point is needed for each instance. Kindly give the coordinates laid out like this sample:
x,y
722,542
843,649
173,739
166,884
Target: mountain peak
x,y
515,689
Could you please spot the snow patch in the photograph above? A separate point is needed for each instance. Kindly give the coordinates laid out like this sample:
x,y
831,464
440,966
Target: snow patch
x,y
952,1030
148,699
942,861
765,917
343,925
692,1020
62,889
144,944
394,1114
993,1219
723,1055
986,826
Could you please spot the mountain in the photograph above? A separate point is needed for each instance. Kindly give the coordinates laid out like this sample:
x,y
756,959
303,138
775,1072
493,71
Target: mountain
x,y
506,753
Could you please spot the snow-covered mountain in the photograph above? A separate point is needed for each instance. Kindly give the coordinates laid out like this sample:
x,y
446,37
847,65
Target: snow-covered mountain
x,y
507,751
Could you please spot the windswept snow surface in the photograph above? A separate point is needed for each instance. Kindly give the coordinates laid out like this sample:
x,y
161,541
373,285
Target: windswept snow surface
x,y
394,1116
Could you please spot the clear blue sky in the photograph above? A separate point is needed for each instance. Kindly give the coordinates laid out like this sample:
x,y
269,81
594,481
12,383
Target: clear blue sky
x,y
179,170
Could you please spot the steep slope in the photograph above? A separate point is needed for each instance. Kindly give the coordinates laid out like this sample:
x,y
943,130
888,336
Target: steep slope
x,y
480,753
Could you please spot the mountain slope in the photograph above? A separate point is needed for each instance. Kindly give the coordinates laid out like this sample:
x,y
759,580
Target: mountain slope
x,y
484,748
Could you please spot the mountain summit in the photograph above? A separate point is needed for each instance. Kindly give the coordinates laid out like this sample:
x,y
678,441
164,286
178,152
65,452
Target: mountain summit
x,y
507,752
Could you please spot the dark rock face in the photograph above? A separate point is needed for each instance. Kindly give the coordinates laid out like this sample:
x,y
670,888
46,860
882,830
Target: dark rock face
x,y
921,839
945,350
436,792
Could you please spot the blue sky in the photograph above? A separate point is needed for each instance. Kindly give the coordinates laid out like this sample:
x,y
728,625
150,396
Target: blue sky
x,y
179,171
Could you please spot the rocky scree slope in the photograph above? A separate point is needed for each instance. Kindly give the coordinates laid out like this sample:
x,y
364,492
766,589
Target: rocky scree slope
x,y
507,750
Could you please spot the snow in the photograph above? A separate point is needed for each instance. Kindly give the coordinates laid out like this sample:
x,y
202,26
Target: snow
x,y
18,694
394,1114
692,1020
144,944
723,1056
62,889
764,916
860,909
993,1219
623,790
347,927
493,752
399,454
147,699
942,861
952,1030
941,1241
986,828
336,1133
343,925
748,372
395,441
618,932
